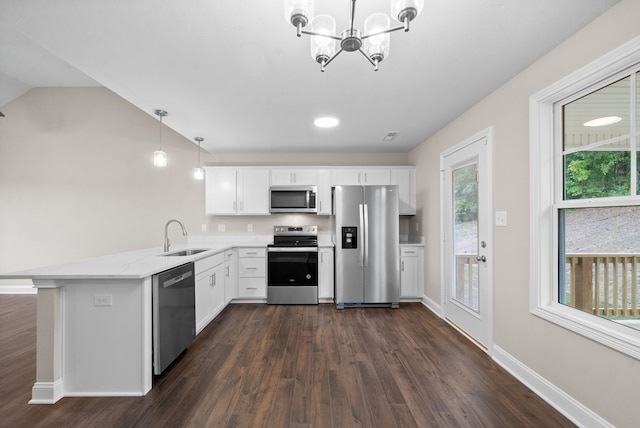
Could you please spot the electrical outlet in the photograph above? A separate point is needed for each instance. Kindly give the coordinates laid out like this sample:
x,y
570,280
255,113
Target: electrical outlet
x,y
102,300
222,228
203,227
250,227
417,227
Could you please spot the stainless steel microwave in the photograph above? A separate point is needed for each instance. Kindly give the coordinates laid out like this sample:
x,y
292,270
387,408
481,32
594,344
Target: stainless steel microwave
x,y
293,199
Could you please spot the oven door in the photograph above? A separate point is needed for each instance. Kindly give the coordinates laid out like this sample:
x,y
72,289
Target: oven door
x,y
292,276
291,266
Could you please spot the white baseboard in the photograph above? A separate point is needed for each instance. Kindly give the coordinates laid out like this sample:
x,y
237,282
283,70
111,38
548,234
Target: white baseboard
x,y
47,392
18,289
432,306
560,400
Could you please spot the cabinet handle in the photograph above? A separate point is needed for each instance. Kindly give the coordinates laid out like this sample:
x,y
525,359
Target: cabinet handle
x,y
214,279
252,252
234,206
211,281
320,206
252,288
242,206
365,178
402,263
227,271
251,268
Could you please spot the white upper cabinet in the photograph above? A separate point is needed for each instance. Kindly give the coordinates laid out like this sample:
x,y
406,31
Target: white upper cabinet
x,y
323,196
290,177
253,191
220,191
363,176
231,191
406,180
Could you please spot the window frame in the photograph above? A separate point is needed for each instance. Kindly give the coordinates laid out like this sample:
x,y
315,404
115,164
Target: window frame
x,y
546,198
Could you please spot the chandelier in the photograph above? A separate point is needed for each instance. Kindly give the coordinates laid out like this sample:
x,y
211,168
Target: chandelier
x,y
373,43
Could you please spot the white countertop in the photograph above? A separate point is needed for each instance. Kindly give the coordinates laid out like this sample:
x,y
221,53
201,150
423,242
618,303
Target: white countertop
x,y
143,263
136,264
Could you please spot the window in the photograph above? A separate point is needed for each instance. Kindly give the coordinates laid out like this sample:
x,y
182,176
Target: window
x,y
585,201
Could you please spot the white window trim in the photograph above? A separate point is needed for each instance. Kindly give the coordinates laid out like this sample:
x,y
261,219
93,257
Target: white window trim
x,y
544,244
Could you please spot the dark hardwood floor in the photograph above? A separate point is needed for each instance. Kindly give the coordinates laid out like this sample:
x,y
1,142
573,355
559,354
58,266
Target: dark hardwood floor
x,y
292,366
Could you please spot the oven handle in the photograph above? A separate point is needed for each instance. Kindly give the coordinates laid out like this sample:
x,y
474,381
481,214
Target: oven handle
x,y
292,249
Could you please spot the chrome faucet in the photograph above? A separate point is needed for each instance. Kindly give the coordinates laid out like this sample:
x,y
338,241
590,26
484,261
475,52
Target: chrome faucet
x,y
166,233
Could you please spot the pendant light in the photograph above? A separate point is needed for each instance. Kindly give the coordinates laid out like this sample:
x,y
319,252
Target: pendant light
x,y
198,171
159,156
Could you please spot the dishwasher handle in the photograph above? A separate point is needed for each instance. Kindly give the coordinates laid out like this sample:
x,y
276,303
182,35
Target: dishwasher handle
x,y
176,279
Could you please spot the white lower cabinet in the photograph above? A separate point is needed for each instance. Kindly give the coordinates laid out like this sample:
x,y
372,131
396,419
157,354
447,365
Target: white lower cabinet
x,y
411,272
325,274
210,288
252,282
230,276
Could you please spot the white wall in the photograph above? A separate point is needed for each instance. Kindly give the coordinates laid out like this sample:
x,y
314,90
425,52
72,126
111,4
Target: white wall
x,y
602,379
77,180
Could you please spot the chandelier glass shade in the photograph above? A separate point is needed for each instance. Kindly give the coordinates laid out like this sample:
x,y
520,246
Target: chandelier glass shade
x,y
159,156
198,171
326,43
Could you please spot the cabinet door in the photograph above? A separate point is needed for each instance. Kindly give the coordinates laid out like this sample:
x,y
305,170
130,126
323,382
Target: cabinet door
x,y
324,192
345,177
231,276
325,273
375,176
305,177
202,300
253,191
216,296
405,179
288,177
220,191
408,277
281,177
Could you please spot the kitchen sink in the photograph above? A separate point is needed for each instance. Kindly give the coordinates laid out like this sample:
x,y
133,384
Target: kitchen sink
x,y
182,253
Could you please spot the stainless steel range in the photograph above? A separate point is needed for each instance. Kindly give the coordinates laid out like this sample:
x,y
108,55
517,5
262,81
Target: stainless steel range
x,y
292,266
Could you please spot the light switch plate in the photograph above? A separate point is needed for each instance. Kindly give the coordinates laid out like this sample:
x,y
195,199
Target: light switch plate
x,y
222,228
501,218
250,227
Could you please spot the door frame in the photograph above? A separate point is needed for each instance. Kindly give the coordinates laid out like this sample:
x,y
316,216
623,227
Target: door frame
x,y
446,274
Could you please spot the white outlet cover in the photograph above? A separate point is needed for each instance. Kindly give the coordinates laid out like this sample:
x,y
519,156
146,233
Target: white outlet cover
x,y
222,228
501,218
102,300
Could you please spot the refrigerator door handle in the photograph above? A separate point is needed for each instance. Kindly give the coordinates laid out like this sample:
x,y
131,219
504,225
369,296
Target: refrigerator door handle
x,y
365,239
361,234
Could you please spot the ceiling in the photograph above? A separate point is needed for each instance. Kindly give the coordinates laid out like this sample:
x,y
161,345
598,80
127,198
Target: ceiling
x,y
235,73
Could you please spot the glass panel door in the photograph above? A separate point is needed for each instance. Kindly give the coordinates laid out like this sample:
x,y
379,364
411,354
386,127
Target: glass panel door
x,y
465,236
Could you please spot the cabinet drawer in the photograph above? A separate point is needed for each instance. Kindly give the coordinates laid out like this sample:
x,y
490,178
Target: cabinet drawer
x,y
408,252
252,252
251,268
252,287
205,264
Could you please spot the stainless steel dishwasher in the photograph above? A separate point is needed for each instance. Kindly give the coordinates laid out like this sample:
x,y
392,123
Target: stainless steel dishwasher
x,y
174,314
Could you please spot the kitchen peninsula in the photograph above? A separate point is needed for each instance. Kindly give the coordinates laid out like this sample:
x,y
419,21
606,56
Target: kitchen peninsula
x,y
94,321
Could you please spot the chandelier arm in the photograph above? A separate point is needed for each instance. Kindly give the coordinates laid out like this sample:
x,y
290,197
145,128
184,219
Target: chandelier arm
x,y
353,14
390,30
334,55
329,36
367,57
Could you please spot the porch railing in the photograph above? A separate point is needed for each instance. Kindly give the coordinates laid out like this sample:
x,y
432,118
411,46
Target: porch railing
x,y
603,284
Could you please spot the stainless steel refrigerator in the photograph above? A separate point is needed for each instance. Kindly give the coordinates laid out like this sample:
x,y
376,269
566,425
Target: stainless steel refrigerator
x,y
365,234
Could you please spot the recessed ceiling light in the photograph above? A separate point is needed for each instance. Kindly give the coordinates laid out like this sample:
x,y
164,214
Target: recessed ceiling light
x,y
326,122
603,121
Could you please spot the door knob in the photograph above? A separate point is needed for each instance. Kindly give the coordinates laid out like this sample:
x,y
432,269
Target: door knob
x,y
481,258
